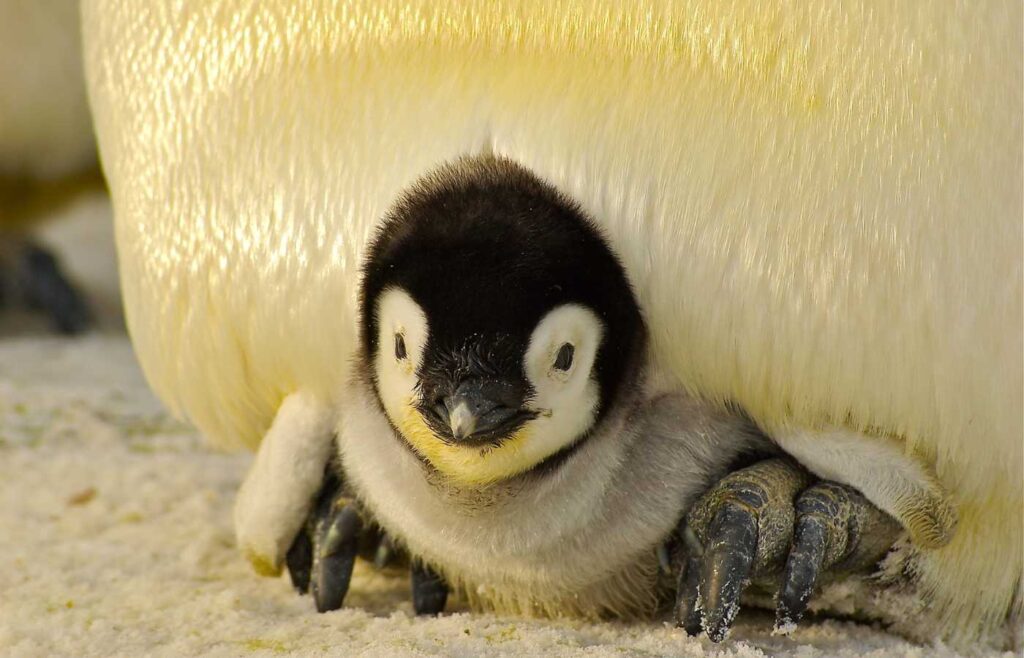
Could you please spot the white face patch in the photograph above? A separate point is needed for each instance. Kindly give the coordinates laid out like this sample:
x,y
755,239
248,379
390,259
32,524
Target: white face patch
x,y
558,363
401,339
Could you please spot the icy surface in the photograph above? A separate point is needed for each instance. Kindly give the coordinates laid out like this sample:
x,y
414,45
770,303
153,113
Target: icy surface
x,y
116,537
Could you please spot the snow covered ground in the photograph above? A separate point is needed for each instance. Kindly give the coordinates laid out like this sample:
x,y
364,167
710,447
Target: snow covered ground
x,y
116,536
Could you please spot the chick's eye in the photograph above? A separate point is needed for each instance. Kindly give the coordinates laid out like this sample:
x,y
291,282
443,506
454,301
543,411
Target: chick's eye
x,y
564,359
399,346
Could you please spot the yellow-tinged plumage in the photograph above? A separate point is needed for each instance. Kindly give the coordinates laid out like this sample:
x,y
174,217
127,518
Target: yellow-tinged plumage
x,y
463,464
819,205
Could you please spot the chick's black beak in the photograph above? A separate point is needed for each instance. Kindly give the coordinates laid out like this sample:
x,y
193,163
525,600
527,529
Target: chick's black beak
x,y
485,410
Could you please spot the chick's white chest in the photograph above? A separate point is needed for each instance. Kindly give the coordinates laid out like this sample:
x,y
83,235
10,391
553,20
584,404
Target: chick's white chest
x,y
580,539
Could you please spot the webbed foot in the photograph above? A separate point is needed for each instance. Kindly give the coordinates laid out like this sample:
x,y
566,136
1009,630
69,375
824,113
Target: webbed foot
x,y
337,531
770,518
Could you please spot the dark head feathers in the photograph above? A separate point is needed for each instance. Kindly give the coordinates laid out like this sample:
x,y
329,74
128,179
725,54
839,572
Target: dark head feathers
x,y
487,249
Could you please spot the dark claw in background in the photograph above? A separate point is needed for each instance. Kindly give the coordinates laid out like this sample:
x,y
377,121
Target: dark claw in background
x,y
44,286
429,591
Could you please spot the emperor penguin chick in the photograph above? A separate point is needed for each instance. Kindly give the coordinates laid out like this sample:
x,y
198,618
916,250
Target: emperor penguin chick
x,y
509,429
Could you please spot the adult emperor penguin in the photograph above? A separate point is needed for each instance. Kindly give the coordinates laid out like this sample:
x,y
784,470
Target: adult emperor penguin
x,y
508,428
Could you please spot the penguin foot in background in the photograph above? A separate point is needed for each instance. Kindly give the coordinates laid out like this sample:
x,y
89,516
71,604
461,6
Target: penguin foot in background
x,y
338,530
770,518
31,276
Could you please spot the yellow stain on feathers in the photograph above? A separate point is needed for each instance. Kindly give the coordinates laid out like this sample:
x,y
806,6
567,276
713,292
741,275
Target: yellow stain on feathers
x,y
263,565
465,465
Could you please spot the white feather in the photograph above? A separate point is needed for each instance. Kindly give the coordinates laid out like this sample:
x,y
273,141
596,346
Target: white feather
x,y
399,314
881,470
567,400
277,493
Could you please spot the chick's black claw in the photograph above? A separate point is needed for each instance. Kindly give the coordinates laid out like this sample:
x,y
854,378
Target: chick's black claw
x,y
802,571
728,561
836,527
819,541
339,530
687,590
741,526
300,561
299,558
323,554
765,519
429,591
334,554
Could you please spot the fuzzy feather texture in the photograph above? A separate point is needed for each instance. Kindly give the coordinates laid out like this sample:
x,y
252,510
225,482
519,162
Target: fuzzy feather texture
x,y
819,205
279,489
580,541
